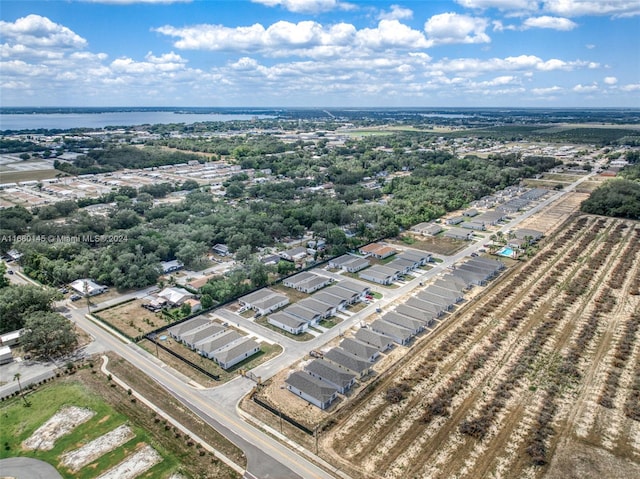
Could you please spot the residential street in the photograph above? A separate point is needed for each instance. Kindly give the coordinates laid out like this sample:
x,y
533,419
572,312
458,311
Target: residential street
x,y
266,457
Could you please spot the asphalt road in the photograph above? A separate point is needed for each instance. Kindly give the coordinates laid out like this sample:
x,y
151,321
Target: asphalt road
x,y
27,468
266,457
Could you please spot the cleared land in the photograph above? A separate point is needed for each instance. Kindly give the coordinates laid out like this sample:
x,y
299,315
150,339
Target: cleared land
x,y
131,318
113,407
496,391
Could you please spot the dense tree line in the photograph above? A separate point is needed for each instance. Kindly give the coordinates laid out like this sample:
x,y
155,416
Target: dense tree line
x,y
113,158
619,198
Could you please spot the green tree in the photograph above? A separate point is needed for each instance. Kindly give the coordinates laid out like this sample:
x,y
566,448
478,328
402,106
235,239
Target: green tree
x,y
185,309
4,281
206,301
48,334
17,302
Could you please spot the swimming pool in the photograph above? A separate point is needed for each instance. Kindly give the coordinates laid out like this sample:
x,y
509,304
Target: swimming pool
x,y
506,251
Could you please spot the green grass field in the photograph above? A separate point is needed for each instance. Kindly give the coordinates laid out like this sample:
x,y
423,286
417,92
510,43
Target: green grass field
x,y
19,422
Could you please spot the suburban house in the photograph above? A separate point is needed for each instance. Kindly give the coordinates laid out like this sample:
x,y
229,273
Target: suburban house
x,y
437,309
323,309
11,338
190,338
194,304
307,282
235,352
5,355
171,266
179,329
403,265
470,213
425,300
413,324
455,220
491,217
399,334
524,233
470,277
427,229
220,249
299,311
311,389
175,296
343,359
349,263
437,289
377,250
380,274
264,301
288,322
360,349
459,233
419,258
334,376
294,254
87,287
350,297
332,300
378,341
362,290
474,225
210,344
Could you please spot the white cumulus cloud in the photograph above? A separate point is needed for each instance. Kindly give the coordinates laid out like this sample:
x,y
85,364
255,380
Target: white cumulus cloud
x,y
577,8
447,28
396,13
554,23
611,80
500,4
38,31
580,88
306,6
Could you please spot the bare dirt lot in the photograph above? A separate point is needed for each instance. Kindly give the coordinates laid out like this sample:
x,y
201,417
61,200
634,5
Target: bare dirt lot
x,y
131,318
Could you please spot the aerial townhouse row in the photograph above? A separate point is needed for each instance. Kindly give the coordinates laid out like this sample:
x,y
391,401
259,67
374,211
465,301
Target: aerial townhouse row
x,y
212,340
298,317
321,380
425,309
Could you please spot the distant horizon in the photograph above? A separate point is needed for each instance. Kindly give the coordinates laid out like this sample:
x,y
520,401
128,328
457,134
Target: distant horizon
x,y
348,107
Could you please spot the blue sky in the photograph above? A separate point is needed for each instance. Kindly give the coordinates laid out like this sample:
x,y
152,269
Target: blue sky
x,y
307,53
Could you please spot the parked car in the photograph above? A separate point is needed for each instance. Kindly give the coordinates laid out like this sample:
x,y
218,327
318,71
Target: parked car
x,y
75,297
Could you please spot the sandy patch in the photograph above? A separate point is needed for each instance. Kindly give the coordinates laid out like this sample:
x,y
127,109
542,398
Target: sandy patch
x,y
60,424
78,458
134,465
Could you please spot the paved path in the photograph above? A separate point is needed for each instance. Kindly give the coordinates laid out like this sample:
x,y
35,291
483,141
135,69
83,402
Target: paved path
x,y
27,468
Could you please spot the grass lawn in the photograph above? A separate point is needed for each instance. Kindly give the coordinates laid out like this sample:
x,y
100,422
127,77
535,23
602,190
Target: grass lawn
x,y
19,422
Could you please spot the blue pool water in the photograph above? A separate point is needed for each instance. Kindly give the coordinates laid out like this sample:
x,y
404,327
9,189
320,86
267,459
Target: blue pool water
x,y
506,251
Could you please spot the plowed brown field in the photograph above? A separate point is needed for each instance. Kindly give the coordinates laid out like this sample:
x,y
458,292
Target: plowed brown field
x,y
519,377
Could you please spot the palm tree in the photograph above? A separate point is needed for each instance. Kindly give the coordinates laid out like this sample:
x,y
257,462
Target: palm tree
x,y
16,377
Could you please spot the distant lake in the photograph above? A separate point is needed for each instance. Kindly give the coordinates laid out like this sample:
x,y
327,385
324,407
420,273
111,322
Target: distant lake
x,y
65,121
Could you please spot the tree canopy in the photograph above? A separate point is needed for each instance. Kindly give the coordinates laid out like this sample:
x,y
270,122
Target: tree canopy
x,y
48,334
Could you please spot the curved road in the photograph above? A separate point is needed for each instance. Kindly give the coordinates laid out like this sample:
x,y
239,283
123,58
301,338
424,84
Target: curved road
x,y
266,457
27,468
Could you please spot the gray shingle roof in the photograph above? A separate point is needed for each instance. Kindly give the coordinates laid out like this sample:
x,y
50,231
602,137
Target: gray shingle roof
x,y
347,360
311,386
326,370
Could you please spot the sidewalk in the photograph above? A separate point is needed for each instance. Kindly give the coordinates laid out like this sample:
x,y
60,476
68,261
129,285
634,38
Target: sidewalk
x,y
175,423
